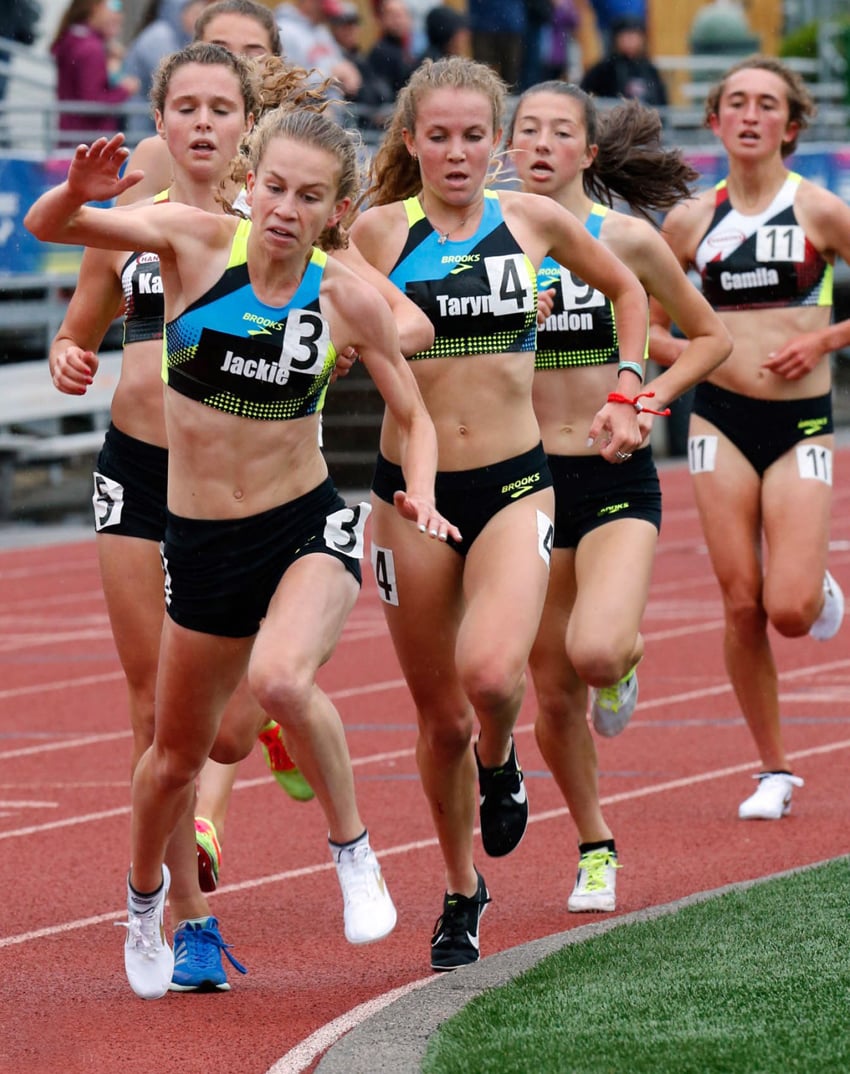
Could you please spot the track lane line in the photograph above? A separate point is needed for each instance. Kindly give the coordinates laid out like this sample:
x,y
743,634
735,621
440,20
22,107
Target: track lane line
x,y
423,844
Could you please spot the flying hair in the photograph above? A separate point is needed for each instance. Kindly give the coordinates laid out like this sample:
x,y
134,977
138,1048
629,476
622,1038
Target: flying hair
x,y
631,160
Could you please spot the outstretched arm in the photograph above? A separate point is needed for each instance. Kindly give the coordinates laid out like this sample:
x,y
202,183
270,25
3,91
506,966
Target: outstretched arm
x,y
186,239
707,342
60,216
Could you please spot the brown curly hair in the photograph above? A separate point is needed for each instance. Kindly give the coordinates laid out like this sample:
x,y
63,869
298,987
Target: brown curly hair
x,y
210,55
801,106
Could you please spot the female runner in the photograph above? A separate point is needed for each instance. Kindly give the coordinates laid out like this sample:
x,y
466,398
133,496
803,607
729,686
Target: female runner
x,y
607,517
463,616
257,538
760,449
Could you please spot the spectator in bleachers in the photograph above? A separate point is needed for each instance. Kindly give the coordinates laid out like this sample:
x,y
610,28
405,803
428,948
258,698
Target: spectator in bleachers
x,y
170,11
448,33
721,28
538,16
627,71
88,58
18,22
158,35
345,24
308,43
391,57
498,30
609,12
556,38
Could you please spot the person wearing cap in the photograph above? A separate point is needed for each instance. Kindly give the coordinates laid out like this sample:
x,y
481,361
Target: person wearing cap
x,y
448,33
627,71
375,93
391,57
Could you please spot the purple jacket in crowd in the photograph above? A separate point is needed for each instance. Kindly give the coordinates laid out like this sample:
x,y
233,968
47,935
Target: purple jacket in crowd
x,y
82,75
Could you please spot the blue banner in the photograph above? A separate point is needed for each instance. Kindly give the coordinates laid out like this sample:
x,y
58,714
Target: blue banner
x,y
825,165
21,182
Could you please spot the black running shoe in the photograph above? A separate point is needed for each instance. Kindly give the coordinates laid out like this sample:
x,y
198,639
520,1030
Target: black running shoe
x,y
455,939
504,805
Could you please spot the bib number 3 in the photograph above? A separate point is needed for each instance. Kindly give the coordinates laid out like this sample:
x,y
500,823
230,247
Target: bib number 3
x,y
344,530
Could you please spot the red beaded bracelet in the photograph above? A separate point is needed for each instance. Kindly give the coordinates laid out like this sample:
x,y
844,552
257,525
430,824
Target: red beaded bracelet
x,y
618,397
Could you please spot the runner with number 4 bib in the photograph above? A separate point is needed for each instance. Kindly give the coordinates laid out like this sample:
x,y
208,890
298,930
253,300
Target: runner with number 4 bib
x,y
463,615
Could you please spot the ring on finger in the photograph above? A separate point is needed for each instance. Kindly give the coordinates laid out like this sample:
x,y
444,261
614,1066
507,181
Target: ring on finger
x,y
624,454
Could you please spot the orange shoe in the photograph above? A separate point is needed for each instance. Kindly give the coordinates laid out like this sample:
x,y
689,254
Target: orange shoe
x,y
283,768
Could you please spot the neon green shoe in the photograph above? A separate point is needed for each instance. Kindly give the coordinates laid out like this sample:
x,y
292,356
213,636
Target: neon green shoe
x,y
209,853
612,706
283,768
596,882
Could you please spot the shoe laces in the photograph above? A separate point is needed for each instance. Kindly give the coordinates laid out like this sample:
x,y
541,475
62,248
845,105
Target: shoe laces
x,y
145,932
359,873
460,915
608,697
612,697
202,945
500,781
593,864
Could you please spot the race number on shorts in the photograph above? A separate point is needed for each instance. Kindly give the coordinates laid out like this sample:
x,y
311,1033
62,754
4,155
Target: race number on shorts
x,y
344,530
702,454
815,462
108,501
383,567
545,536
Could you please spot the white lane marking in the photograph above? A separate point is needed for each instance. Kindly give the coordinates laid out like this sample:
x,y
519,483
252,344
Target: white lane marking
x,y
423,844
27,805
301,1056
822,696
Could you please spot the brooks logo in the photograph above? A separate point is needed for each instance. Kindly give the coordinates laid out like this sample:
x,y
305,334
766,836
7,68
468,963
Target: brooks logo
x,y
811,426
612,509
519,488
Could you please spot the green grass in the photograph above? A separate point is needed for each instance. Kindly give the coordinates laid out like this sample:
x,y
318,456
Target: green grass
x,y
750,982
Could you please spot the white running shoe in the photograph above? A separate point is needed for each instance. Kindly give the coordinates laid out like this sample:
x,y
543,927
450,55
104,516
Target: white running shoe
x,y
369,913
148,959
612,706
596,883
828,623
771,800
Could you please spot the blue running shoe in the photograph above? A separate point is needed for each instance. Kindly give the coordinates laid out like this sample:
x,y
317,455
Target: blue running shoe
x,y
197,958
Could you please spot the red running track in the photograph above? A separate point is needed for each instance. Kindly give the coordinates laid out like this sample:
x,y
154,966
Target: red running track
x,y
672,783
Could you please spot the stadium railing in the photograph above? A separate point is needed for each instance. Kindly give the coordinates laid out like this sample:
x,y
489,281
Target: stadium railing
x,y
39,424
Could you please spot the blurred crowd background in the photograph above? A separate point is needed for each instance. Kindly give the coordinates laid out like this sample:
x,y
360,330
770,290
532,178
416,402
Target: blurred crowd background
x,y
102,52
